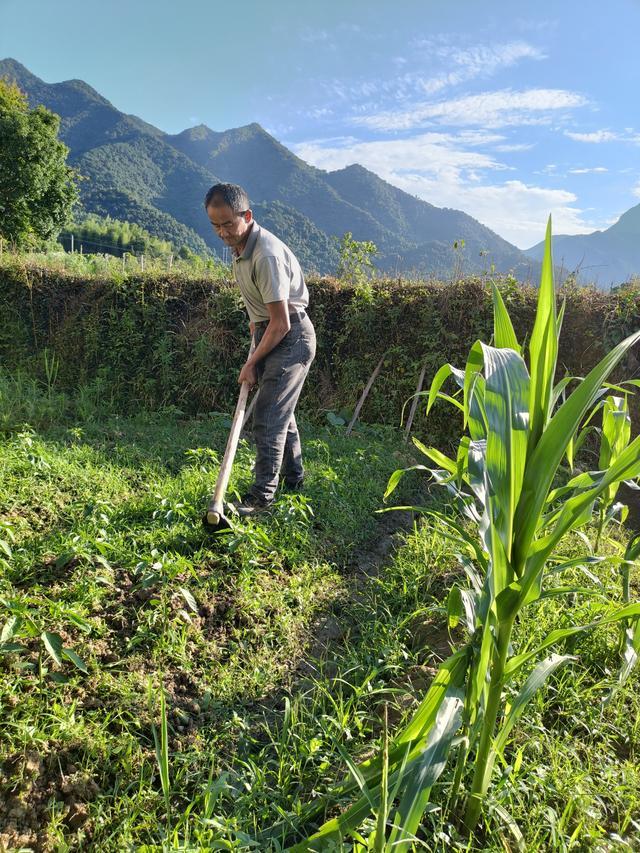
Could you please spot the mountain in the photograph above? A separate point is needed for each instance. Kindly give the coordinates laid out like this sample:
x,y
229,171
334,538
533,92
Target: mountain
x,y
132,170
606,258
253,158
128,170
416,219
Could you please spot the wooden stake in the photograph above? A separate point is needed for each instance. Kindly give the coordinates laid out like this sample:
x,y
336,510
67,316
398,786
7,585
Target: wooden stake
x,y
365,394
414,403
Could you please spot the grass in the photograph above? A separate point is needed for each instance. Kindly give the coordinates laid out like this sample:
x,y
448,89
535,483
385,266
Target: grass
x,y
278,651
102,523
111,267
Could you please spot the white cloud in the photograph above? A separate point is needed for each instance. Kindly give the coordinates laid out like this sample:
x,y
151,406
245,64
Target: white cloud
x,y
478,137
436,154
478,61
516,146
636,190
437,168
588,171
310,35
319,112
518,211
488,109
408,83
595,137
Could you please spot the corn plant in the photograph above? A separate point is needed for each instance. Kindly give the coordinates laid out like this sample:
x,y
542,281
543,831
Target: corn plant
x,y
519,426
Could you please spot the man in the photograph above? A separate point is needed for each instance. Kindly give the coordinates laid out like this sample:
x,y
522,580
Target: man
x,y
276,298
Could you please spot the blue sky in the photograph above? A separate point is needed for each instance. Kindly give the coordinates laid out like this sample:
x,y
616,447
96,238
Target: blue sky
x,y
508,111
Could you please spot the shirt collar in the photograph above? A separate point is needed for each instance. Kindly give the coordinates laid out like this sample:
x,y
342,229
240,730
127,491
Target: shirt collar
x,y
250,245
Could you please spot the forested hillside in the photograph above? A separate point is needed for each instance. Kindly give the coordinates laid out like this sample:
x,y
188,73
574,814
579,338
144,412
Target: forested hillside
x,y
133,171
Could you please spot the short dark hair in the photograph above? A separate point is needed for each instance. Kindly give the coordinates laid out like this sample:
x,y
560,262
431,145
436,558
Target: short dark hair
x,y
230,194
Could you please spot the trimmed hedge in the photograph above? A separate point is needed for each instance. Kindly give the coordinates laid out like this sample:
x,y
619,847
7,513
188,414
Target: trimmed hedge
x,y
149,341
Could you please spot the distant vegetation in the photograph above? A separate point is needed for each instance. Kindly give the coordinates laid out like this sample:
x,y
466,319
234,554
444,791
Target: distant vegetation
x,y
96,234
37,188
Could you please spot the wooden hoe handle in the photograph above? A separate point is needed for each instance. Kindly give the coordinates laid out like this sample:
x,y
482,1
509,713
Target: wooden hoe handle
x,y
216,504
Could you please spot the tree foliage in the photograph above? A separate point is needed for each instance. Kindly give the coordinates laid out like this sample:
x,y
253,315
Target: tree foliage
x,y
37,190
356,264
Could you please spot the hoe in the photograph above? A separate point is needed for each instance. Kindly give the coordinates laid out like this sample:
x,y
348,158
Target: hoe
x,y
214,519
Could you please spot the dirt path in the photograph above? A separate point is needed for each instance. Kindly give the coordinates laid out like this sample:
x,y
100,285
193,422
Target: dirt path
x,y
366,563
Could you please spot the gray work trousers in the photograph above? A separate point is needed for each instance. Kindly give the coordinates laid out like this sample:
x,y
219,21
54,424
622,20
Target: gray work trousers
x,y
281,375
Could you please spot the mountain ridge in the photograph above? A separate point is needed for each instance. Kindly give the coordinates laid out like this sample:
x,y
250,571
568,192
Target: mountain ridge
x,y
130,165
606,258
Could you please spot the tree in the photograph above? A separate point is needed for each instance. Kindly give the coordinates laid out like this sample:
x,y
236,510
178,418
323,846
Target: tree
x,y
356,264
37,189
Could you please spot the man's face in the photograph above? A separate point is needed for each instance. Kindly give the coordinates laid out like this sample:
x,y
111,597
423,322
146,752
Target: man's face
x,y
230,226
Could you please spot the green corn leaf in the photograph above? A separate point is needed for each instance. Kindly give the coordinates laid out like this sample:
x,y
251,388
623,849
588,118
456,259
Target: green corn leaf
x,y
559,591
436,384
436,456
572,514
531,686
482,662
336,829
581,564
630,651
425,771
632,551
507,601
543,463
450,675
560,319
454,606
449,399
474,414
543,349
407,745
559,388
459,602
441,460
462,460
517,662
395,478
503,334
506,407
469,599
616,432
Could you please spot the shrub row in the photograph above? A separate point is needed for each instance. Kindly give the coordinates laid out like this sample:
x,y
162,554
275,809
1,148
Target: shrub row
x,y
150,342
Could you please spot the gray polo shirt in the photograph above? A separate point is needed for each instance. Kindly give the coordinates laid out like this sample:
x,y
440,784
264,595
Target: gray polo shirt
x,y
268,271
